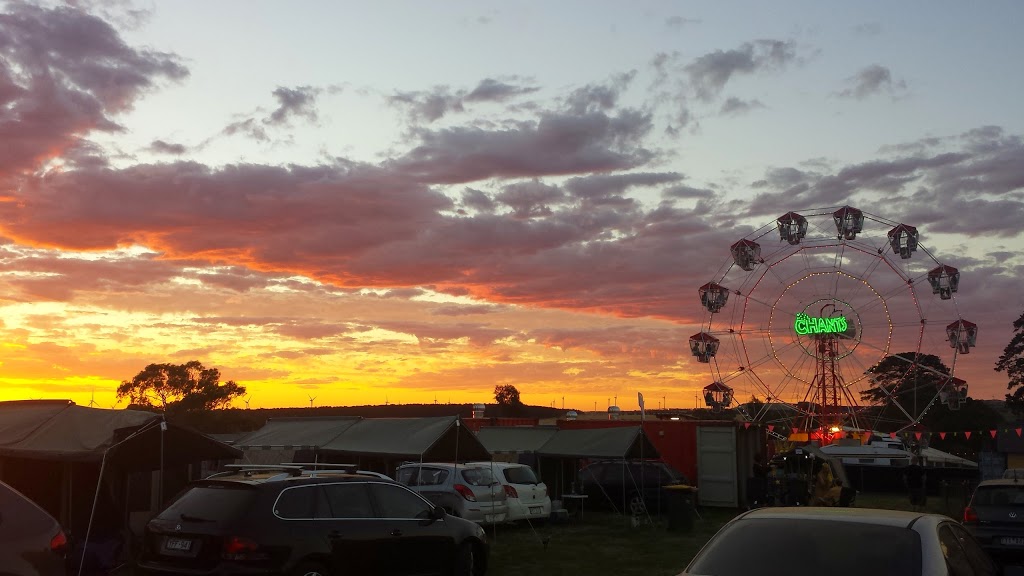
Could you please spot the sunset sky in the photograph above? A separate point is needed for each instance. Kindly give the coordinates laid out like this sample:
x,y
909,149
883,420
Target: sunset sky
x,y
415,201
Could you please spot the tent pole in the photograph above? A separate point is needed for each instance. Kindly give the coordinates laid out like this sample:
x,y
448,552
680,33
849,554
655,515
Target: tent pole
x,y
160,490
92,513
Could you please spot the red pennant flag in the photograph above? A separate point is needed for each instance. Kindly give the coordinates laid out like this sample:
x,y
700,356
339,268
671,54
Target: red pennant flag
x,y
968,434
771,427
892,435
1018,431
993,433
746,425
917,435
867,437
796,430
942,435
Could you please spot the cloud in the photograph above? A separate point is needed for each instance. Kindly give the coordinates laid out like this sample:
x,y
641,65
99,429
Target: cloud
x,y
599,97
557,144
874,79
491,90
436,103
63,74
710,73
163,147
292,102
679,22
736,107
529,199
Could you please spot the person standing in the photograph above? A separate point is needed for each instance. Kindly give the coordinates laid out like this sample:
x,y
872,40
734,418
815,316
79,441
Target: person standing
x,y
914,479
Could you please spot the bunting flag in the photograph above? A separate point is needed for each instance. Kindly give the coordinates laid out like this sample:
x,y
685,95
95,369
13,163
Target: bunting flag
x,y
892,435
917,435
771,427
993,433
1018,432
967,434
867,437
942,435
796,430
746,425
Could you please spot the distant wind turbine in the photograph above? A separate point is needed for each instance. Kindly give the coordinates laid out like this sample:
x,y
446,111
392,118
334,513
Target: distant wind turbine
x,y
92,399
311,398
247,401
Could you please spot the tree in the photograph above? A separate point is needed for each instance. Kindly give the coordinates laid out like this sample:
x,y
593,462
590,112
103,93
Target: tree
x,y
1012,362
506,395
179,388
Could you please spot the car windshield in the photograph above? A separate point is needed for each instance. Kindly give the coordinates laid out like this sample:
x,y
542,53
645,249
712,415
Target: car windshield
x,y
788,546
477,476
210,503
999,496
520,475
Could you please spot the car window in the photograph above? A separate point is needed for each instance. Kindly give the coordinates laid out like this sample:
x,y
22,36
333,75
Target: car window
x,y
210,503
976,556
788,546
295,502
348,500
406,476
520,475
953,552
397,502
477,476
999,496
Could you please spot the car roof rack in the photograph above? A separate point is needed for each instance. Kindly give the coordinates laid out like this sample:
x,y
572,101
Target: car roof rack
x,y
314,467
250,469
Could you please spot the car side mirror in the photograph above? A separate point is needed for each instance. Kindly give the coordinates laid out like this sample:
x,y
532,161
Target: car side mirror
x,y
437,513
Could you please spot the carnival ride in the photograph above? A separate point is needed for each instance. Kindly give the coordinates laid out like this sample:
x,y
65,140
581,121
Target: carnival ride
x,y
799,324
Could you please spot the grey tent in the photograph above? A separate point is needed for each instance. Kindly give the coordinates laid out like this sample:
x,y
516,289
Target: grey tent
x,y
372,443
519,440
600,443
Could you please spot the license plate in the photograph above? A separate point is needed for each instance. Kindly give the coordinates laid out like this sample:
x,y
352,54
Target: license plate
x,y
1011,541
536,509
178,544
488,517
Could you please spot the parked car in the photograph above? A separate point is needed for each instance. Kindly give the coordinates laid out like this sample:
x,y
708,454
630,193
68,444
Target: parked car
x,y
469,491
32,543
266,520
841,542
995,516
527,496
631,486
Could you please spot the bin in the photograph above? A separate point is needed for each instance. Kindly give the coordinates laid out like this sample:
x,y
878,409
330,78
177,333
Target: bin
x,y
680,507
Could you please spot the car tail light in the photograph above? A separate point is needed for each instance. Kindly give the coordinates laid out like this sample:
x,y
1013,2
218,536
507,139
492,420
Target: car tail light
x,y
970,515
510,491
238,548
543,490
465,492
59,543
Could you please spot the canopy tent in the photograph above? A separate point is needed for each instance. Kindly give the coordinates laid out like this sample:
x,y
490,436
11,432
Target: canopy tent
x,y
369,442
600,443
60,430
515,439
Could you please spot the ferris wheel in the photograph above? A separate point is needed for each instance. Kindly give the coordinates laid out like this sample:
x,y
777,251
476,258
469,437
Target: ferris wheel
x,y
806,306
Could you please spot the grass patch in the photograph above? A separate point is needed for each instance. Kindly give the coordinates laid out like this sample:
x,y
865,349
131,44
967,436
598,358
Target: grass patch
x,y
602,543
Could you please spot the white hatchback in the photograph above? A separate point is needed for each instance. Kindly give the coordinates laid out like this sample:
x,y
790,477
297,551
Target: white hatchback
x,y
527,496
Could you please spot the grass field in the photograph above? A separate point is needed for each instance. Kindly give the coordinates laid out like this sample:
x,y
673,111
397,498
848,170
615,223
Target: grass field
x,y
606,543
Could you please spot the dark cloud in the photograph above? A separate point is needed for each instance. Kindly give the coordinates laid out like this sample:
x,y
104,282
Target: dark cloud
x,y
874,79
249,127
64,73
465,309
710,73
735,107
300,101
605,185
491,90
164,147
429,106
477,200
530,199
558,144
599,97
687,193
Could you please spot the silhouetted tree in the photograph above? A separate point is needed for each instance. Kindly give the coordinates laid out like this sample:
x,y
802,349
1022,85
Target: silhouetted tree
x,y
179,388
507,395
1012,362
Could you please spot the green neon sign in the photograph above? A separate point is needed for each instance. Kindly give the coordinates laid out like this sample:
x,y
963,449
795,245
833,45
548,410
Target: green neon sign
x,y
805,325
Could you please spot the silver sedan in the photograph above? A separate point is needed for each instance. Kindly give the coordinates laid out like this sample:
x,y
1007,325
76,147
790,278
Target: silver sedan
x,y
841,542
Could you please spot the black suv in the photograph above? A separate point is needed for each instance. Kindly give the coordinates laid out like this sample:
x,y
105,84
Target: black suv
x,y
630,486
287,520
